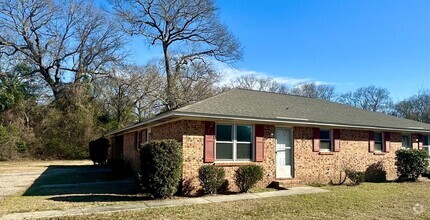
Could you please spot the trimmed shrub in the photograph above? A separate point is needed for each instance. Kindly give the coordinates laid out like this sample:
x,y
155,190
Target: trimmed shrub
x,y
161,165
247,176
99,151
356,177
410,163
211,178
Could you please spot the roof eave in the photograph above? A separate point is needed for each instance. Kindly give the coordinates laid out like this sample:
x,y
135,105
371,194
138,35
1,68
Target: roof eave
x,y
267,120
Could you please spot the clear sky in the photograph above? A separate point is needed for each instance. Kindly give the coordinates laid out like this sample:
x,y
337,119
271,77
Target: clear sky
x,y
347,43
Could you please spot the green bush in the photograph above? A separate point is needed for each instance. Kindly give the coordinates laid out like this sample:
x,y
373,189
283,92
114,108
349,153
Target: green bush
x,y
161,165
99,151
356,177
211,178
247,176
410,163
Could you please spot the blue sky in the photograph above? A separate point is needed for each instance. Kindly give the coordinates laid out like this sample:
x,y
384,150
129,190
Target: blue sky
x,y
348,44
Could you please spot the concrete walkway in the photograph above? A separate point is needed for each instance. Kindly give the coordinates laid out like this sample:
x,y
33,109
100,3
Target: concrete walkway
x,y
163,203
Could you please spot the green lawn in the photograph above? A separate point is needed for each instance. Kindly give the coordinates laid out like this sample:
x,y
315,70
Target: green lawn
x,y
367,201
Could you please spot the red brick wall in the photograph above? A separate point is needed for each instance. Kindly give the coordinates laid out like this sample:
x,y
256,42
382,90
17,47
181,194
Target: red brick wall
x,y
131,154
311,167
193,145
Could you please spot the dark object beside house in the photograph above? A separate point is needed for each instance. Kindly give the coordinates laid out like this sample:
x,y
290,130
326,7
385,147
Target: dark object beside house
x,y
99,151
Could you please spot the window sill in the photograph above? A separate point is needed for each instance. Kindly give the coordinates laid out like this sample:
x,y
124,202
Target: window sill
x,y
326,153
379,153
233,163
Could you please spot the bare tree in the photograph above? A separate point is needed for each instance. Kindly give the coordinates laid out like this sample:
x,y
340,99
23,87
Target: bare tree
x,y
187,30
415,108
260,83
196,82
130,93
64,40
314,90
369,98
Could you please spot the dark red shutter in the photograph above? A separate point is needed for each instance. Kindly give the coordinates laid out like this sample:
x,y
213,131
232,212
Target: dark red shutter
x,y
209,148
259,143
371,141
336,140
420,141
387,140
316,139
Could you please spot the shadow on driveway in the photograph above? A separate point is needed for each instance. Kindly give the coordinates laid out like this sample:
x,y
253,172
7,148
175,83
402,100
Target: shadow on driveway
x,y
80,183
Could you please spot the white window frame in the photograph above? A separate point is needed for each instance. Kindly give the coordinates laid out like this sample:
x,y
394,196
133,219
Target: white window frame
x,y
234,142
410,141
382,142
331,140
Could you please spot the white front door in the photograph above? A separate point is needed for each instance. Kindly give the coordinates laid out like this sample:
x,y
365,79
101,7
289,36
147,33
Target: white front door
x,y
284,153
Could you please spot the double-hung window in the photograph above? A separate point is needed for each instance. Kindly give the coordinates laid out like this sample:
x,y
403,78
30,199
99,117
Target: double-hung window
x,y
406,141
379,143
426,143
233,142
325,140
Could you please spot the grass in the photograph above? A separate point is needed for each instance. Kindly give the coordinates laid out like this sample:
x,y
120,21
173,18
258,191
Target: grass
x,y
367,201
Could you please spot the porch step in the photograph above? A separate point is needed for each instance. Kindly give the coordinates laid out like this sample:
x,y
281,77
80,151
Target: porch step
x,y
286,183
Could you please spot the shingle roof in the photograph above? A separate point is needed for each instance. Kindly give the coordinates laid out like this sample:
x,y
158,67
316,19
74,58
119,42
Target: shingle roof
x,y
266,105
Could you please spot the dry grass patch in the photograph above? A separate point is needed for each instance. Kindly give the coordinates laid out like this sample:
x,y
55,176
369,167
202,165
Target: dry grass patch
x,y
367,201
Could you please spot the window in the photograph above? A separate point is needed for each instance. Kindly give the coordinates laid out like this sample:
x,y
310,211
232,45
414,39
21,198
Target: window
x,y
379,146
148,135
233,142
406,141
426,143
325,140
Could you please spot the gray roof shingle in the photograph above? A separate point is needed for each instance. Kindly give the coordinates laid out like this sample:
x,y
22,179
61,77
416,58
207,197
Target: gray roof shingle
x,y
266,105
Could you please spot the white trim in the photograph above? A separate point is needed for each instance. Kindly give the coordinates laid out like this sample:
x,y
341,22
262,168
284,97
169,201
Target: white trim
x,y
234,142
297,121
292,148
382,142
331,140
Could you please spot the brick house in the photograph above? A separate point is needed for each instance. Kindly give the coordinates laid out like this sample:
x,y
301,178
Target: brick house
x,y
291,137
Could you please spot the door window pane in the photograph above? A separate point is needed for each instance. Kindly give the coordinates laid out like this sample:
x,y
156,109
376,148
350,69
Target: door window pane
x,y
224,151
287,156
244,133
223,133
243,151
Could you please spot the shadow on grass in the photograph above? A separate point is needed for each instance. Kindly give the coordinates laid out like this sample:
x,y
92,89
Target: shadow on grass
x,y
99,198
62,180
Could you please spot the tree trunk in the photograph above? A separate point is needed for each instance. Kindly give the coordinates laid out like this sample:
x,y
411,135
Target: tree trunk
x,y
171,83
